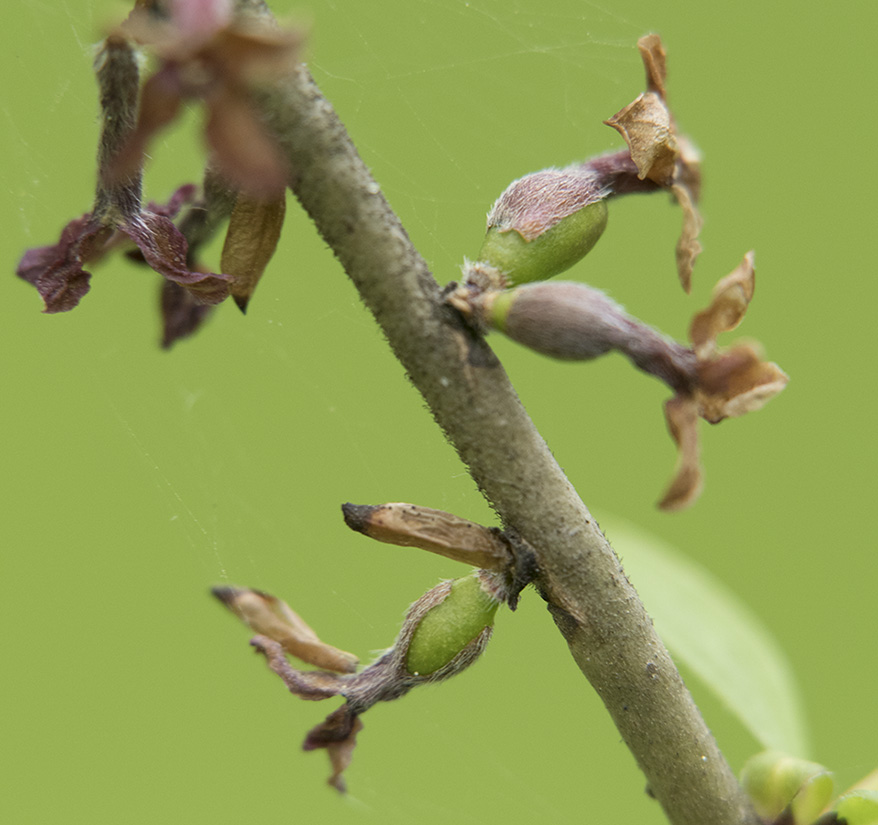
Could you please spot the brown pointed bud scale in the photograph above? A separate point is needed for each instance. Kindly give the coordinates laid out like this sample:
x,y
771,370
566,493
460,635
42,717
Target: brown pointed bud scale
x,y
448,629
409,525
271,617
254,230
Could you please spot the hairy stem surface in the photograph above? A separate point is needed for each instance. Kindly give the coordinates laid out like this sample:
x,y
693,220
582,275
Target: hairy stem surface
x,y
610,635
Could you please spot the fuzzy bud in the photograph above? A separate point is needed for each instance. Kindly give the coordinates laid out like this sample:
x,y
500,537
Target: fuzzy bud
x,y
543,224
446,630
574,322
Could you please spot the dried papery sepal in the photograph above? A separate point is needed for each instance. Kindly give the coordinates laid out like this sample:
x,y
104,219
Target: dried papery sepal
x,y
729,301
410,525
661,154
733,382
443,633
275,619
572,321
681,416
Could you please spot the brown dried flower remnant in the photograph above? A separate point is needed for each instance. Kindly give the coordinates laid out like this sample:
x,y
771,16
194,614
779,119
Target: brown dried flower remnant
x,y
274,618
572,321
488,548
660,153
729,383
443,633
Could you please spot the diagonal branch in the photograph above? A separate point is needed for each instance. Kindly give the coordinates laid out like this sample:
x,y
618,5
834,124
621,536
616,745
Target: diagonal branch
x,y
610,635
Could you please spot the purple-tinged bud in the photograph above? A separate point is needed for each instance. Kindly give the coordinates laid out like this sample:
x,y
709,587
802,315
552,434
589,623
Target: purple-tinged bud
x,y
574,322
543,224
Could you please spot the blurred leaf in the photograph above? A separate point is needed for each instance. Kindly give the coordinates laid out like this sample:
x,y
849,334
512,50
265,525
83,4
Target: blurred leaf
x,y
718,637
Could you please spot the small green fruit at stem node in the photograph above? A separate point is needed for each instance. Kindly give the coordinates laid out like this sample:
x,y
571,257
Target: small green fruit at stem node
x,y
448,628
522,259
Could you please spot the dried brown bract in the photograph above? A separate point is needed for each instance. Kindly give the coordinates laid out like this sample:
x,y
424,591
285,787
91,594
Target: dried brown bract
x,y
443,633
660,153
276,619
728,383
575,322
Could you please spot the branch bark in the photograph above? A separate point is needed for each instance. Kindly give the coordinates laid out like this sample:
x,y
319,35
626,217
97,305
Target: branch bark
x,y
609,633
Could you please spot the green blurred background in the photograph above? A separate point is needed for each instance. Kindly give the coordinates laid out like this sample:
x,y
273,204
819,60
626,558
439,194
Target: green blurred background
x,y
134,479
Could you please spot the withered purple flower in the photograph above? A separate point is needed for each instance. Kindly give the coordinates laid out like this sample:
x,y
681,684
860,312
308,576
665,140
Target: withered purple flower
x,y
208,53
206,50
58,271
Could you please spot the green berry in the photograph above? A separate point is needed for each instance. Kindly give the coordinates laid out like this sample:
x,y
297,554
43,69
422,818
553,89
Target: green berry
x,y
449,627
551,252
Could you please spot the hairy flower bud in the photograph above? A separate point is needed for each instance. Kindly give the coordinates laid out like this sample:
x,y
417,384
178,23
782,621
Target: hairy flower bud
x,y
543,224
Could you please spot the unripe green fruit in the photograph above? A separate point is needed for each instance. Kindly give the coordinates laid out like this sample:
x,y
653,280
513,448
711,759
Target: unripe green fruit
x,y
553,251
450,626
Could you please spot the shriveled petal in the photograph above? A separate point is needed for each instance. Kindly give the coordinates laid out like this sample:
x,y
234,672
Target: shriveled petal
x,y
681,414
731,297
275,619
242,149
648,130
57,270
252,236
181,314
652,52
338,734
736,382
688,245
165,250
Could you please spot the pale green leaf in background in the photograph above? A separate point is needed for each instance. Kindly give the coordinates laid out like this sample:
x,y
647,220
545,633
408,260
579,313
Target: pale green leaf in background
x,y
717,637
